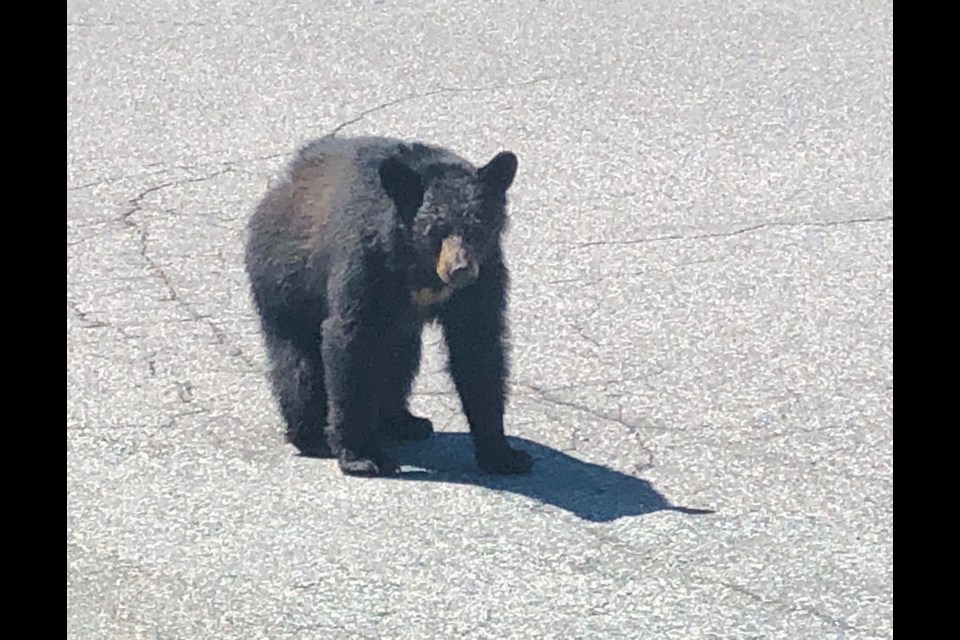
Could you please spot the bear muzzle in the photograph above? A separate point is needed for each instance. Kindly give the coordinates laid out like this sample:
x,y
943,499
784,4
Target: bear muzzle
x,y
456,265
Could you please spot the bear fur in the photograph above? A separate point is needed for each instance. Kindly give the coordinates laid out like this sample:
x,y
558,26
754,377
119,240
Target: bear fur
x,y
363,241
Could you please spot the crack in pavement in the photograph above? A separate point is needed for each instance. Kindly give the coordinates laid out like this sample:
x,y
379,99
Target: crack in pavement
x,y
128,23
169,424
85,318
543,396
127,219
225,167
726,234
337,129
115,178
581,280
88,321
136,202
416,96
582,330
102,228
585,385
131,426
784,605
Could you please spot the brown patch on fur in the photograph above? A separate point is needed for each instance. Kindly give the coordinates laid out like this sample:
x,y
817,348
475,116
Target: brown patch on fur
x,y
428,297
315,189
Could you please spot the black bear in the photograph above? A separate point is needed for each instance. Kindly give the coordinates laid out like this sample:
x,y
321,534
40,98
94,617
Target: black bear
x,y
362,242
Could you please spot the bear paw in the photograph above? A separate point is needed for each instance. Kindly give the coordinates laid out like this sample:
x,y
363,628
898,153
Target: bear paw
x,y
313,445
370,466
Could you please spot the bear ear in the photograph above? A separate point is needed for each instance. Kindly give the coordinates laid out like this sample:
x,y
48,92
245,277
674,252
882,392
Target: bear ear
x,y
499,173
403,185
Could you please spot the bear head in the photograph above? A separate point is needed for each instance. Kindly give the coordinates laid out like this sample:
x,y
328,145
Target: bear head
x,y
453,215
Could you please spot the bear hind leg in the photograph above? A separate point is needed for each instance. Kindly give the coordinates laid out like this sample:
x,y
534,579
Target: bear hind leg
x,y
296,375
350,362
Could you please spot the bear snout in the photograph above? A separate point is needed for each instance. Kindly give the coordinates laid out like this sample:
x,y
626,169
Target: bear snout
x,y
457,265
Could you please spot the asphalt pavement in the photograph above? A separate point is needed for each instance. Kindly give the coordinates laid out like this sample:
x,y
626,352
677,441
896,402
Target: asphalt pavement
x,y
701,318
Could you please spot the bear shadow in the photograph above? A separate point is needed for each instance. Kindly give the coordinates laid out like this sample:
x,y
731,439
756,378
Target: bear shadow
x,y
589,491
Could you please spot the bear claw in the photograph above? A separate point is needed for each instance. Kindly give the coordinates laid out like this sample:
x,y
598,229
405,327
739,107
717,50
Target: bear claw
x,y
367,467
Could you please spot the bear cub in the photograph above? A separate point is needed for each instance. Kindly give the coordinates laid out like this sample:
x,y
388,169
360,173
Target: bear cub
x,y
363,241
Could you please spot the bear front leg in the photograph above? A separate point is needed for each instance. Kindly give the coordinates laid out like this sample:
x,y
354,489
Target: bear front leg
x,y
398,368
473,328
